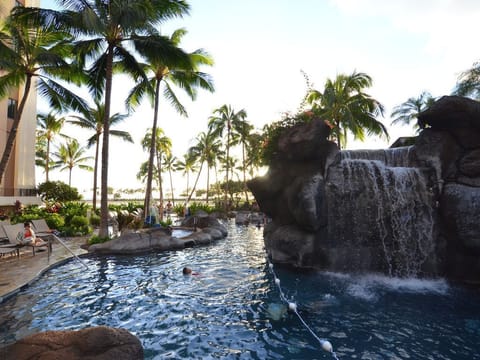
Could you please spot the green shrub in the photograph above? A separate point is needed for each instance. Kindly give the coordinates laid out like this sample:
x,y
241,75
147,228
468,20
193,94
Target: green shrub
x,y
55,221
94,220
78,226
53,191
95,239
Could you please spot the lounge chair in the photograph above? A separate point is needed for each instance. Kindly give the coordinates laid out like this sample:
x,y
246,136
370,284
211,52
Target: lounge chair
x,y
7,248
12,231
41,227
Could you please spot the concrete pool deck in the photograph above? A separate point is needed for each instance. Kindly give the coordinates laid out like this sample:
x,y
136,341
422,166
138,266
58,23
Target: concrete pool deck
x,y
18,272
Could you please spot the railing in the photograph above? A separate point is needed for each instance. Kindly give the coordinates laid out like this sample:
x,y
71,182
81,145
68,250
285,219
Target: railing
x,y
18,192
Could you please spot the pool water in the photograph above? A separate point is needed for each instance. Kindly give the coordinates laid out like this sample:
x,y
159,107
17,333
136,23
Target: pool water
x,y
233,309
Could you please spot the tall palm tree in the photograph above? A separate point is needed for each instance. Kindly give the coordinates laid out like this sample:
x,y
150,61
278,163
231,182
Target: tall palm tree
x,y
243,129
162,69
169,163
205,150
468,83
348,108
408,111
38,54
107,33
220,122
93,120
49,126
186,166
162,147
71,155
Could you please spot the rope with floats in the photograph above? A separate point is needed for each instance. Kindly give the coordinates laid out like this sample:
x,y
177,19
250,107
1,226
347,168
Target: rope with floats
x,y
292,306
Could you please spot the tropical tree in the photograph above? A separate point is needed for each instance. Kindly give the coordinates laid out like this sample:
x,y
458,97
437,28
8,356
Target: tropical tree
x,y
408,111
348,108
243,129
71,155
254,152
221,121
468,83
186,166
107,33
205,150
92,120
49,126
169,163
37,57
163,69
162,147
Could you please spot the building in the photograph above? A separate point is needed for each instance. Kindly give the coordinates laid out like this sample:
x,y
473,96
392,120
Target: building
x,y
18,182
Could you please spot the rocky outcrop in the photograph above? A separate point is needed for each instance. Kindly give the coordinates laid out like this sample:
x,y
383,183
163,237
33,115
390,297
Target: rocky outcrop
x,y
204,230
96,343
406,211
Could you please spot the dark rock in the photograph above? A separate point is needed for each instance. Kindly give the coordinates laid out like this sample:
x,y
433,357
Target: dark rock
x,y
451,112
96,343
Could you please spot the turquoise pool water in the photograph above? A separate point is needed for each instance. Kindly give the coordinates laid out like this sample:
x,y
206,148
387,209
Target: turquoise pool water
x,y
233,310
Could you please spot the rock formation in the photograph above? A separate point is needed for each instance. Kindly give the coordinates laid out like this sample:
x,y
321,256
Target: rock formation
x,y
205,229
407,211
96,343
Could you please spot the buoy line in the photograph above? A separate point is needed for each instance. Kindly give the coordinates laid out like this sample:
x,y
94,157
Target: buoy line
x,y
325,344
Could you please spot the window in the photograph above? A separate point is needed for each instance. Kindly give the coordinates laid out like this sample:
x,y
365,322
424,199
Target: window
x,y
12,108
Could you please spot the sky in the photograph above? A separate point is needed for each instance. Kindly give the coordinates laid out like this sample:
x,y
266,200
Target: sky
x,y
261,48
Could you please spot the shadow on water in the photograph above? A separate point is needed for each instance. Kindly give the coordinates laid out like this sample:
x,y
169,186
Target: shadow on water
x,y
233,309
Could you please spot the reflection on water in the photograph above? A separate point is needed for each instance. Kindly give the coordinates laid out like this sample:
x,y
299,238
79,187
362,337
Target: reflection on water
x,y
232,310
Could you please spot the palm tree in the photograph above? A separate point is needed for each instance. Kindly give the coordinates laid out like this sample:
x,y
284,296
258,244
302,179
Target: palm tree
x,y
243,129
408,111
163,146
93,120
50,125
169,162
186,166
469,82
71,155
39,53
171,72
204,150
348,109
107,33
220,122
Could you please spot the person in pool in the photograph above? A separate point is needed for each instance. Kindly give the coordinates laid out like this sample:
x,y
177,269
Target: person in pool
x,y
188,271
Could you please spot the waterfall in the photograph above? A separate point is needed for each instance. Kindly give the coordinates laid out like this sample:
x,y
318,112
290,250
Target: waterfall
x,y
380,204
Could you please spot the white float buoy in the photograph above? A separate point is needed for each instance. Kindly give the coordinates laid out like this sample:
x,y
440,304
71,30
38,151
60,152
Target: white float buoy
x,y
270,265
327,346
292,306
277,281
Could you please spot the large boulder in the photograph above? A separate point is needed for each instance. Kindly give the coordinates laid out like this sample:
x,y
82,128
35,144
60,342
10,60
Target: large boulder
x,y
95,343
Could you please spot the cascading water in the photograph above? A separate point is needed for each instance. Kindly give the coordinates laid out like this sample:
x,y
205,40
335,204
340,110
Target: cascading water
x,y
383,208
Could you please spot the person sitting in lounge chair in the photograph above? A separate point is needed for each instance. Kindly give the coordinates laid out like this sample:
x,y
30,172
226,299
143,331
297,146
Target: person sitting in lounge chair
x,y
29,237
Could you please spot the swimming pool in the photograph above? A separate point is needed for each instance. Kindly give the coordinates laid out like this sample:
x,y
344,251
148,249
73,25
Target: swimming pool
x,y
227,312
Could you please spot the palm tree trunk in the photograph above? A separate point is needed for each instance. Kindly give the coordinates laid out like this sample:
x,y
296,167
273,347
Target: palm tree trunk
x,y
171,185
47,160
208,180
196,181
244,172
160,179
153,141
13,131
70,177
227,167
95,173
106,132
